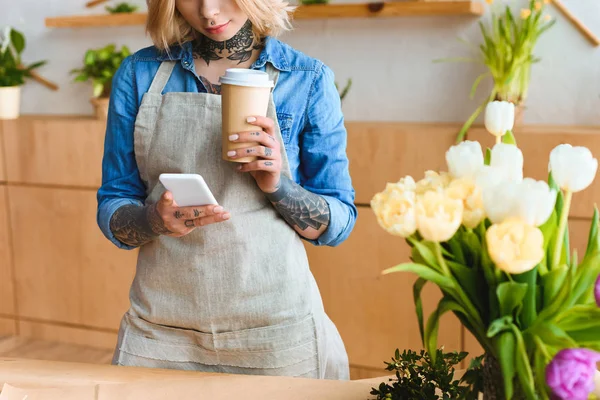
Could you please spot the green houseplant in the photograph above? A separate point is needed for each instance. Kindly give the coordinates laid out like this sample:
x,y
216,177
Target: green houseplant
x,y
12,72
100,66
507,52
122,8
497,246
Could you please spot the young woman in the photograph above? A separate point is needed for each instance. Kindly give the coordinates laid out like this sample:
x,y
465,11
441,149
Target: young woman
x,y
225,288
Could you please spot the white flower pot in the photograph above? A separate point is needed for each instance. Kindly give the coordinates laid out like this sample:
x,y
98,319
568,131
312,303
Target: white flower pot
x,y
10,102
100,107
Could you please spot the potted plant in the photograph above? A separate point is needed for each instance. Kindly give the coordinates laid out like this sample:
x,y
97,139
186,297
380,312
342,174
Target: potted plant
x,y
507,52
122,8
497,246
12,72
100,66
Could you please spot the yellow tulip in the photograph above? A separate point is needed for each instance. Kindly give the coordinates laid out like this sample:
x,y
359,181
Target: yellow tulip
x,y
547,18
538,5
514,246
395,207
489,1
433,181
525,13
469,193
438,216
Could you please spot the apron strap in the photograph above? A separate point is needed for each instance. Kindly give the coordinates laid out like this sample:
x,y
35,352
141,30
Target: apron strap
x,y
162,77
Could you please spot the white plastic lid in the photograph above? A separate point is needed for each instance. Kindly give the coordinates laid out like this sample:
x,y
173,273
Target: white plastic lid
x,y
246,77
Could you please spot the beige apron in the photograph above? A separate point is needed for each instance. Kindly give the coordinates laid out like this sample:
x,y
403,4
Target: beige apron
x,y
233,297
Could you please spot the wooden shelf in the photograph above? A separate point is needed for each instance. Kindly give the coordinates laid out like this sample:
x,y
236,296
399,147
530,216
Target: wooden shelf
x,y
97,20
318,11
395,9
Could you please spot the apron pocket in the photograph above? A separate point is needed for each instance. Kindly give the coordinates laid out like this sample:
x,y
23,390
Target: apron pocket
x,y
288,349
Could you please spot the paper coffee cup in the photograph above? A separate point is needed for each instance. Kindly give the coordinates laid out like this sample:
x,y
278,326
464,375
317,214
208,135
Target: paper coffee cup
x,y
244,93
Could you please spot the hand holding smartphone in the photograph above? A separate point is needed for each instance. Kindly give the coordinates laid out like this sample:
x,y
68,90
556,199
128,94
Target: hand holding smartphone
x,y
188,189
187,204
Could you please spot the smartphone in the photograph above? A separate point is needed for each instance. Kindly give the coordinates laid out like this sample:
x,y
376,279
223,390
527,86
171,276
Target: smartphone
x,y
188,189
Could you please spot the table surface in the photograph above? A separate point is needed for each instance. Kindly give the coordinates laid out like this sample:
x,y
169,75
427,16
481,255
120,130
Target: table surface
x,y
149,384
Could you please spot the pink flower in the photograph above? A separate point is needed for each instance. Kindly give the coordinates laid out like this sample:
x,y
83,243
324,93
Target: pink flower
x,y
570,375
597,291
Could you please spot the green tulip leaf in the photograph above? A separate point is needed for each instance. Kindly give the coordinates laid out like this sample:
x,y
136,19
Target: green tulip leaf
x,y
499,325
509,138
585,277
424,272
529,309
505,345
593,244
466,279
554,336
431,330
425,252
580,317
523,367
552,282
417,289
510,295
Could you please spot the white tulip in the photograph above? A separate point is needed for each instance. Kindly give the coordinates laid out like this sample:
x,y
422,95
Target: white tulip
x,y
499,201
489,177
499,117
534,202
509,158
573,168
465,159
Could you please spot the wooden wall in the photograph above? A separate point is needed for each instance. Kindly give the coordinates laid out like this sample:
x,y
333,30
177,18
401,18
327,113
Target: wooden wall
x,y
61,280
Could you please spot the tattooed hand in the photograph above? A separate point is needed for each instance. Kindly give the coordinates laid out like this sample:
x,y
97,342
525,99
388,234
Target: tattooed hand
x,y
267,169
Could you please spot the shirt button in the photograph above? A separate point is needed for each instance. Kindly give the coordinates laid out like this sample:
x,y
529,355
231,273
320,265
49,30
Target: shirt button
x,y
186,63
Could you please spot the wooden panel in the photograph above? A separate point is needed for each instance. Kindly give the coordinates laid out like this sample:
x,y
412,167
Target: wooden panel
x,y
374,313
65,269
378,153
8,326
578,237
2,159
27,348
7,295
357,373
63,334
54,151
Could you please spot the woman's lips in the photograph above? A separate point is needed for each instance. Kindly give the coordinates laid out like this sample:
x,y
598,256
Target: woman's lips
x,y
217,29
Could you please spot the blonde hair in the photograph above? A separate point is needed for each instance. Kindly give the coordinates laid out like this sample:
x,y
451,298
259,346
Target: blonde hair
x,y
167,27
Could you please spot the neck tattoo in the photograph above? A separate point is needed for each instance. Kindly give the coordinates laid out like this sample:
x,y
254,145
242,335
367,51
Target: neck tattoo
x,y
239,48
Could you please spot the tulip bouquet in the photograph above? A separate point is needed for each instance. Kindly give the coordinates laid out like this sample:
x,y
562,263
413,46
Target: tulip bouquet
x,y
497,245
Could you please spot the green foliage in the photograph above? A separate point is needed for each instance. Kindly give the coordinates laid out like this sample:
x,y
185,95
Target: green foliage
x,y
309,2
12,70
419,376
122,8
345,90
100,66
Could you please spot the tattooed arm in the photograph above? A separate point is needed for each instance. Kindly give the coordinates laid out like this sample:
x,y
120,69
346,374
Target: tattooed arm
x,y
306,212
136,225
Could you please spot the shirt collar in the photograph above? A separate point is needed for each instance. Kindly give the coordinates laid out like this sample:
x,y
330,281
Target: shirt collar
x,y
272,53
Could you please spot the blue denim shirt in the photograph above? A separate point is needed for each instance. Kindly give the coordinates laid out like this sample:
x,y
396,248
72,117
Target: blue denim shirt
x,y
308,111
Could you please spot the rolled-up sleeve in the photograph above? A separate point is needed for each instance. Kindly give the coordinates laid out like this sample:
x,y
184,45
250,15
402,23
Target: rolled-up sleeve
x,y
324,162
121,182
